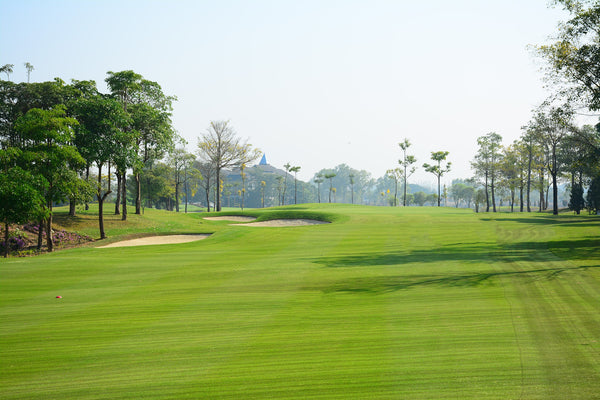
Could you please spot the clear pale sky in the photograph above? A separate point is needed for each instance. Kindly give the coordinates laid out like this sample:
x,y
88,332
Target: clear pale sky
x,y
315,83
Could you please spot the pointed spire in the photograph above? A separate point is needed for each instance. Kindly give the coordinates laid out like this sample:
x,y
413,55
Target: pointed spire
x,y
263,160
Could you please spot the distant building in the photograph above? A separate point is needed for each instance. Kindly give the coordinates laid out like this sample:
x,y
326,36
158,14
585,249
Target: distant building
x,y
233,175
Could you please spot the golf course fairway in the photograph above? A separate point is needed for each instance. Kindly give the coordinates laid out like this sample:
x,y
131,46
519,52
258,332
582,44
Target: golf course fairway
x,y
381,303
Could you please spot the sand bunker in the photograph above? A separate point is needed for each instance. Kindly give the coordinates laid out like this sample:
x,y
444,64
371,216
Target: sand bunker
x,y
151,240
232,218
286,222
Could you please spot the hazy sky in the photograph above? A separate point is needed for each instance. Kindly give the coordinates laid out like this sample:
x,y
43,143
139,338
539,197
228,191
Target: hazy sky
x,y
314,83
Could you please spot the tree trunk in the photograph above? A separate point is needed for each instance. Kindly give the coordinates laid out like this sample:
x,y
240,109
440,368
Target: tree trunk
x,y
542,191
185,188
554,193
487,194
40,234
49,239
118,197
439,193
529,184
521,196
101,199
493,195
554,173
87,178
72,205
177,197
5,239
101,216
512,200
208,197
124,196
138,194
214,201
218,189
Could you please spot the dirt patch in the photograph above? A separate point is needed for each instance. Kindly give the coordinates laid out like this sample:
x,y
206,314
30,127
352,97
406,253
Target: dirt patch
x,y
232,218
287,222
151,240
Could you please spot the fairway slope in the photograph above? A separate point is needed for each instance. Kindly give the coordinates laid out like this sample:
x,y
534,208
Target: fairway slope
x,y
384,303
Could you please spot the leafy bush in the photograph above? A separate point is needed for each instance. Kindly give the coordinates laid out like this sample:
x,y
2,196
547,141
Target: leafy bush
x,y
16,241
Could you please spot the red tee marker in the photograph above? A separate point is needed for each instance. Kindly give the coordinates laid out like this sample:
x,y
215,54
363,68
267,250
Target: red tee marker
x,y
59,297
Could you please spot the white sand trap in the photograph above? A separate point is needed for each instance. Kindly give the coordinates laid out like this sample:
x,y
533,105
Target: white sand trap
x,y
232,218
150,240
286,222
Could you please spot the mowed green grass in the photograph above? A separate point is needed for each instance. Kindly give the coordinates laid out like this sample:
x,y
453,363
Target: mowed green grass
x,y
383,303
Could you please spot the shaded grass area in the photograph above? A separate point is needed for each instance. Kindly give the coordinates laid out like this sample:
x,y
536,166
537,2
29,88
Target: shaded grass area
x,y
383,303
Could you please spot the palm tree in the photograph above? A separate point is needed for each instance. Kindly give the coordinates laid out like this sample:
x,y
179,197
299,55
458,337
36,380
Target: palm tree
x,y
437,169
330,176
295,171
7,69
29,68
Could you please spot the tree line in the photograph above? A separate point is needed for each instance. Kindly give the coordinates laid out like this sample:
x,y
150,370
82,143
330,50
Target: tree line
x,y
71,143
53,134
552,146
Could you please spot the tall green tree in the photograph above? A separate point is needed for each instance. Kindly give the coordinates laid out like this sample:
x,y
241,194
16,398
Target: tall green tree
x,y
510,173
438,169
29,68
593,195
574,55
576,201
18,98
287,167
150,111
396,175
295,170
406,162
123,85
318,179
221,147
208,183
553,126
7,69
330,175
532,152
487,162
180,162
49,135
101,126
21,198
351,178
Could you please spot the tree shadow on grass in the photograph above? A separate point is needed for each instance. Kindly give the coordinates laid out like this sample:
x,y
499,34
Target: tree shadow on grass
x,y
583,249
67,221
392,283
580,221
521,253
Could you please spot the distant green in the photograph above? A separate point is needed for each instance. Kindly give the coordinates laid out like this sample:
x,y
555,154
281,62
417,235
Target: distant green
x,y
383,303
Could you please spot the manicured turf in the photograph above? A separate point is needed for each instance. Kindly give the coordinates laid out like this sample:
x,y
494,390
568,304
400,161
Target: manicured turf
x,y
415,303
